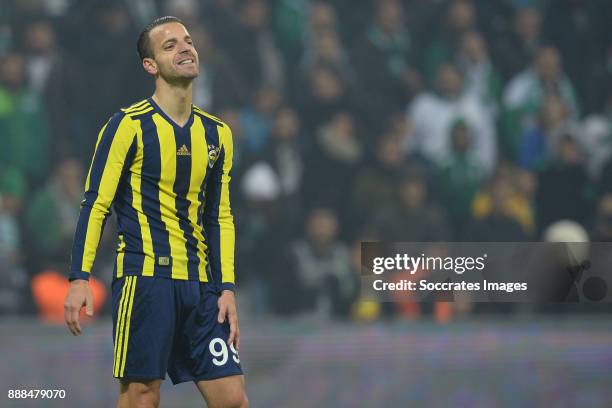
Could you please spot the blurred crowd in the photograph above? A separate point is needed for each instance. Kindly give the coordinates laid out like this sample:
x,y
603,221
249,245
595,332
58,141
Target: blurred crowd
x,y
402,120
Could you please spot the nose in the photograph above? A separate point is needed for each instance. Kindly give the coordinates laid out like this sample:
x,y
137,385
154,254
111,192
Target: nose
x,y
184,47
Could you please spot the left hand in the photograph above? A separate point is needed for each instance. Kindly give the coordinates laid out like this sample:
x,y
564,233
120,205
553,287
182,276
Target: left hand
x,y
227,307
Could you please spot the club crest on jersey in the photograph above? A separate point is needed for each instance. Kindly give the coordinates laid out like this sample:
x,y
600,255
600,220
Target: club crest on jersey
x,y
213,155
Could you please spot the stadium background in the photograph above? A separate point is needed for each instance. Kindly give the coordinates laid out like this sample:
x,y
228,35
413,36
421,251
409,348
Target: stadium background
x,y
384,119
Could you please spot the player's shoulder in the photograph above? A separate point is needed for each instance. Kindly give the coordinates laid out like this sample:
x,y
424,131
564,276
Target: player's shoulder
x,y
136,109
124,121
205,116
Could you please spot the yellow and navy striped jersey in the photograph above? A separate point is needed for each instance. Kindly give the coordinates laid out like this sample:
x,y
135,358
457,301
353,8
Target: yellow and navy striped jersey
x,y
169,186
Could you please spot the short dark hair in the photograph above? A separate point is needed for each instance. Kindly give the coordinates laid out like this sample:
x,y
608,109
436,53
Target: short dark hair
x,y
143,45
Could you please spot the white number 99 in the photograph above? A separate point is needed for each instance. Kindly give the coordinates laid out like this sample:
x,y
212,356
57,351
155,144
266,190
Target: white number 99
x,y
220,352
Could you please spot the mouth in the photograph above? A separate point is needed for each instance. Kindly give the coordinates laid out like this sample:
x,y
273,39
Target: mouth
x,y
188,61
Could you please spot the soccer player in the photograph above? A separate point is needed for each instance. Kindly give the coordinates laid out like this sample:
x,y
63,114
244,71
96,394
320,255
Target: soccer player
x,y
164,165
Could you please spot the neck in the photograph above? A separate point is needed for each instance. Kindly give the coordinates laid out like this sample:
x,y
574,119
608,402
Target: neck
x,y
175,100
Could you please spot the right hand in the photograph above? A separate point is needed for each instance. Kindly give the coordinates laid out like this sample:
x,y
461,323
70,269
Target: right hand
x,y
79,295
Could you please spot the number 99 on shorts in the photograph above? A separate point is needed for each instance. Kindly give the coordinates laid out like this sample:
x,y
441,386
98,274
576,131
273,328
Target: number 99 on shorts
x,y
219,350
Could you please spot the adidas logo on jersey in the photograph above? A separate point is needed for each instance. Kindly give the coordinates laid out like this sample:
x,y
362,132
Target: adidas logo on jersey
x,y
183,151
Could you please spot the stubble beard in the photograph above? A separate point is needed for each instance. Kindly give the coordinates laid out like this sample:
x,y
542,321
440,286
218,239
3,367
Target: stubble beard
x,y
175,78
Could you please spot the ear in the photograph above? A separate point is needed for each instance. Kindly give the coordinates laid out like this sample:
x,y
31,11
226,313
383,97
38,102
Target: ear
x,y
150,66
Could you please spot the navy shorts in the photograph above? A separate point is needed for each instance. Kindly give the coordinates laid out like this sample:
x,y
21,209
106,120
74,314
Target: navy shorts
x,y
166,325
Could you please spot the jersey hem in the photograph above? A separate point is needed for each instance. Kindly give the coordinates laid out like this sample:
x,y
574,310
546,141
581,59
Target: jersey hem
x,y
162,274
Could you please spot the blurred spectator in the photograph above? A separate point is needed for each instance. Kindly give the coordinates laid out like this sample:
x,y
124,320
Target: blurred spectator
x,y
101,35
433,114
509,195
602,225
413,217
527,91
460,176
564,189
595,138
321,42
325,283
231,116
333,161
219,84
401,128
517,48
322,45
264,230
577,29
221,19
12,272
374,188
52,214
40,42
459,20
256,119
289,22
186,10
49,7
481,78
322,18
55,76
286,152
538,142
525,94
325,95
327,49
143,11
23,123
605,179
599,96
500,221
385,62
252,45
286,157
6,33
